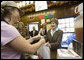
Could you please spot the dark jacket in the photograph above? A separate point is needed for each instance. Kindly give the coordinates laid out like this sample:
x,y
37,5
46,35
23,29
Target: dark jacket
x,y
31,34
36,33
55,41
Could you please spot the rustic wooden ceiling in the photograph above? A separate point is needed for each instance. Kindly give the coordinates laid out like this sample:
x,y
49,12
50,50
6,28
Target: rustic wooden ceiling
x,y
31,8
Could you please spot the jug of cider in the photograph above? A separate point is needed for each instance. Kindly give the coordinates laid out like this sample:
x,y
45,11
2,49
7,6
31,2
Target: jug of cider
x,y
78,23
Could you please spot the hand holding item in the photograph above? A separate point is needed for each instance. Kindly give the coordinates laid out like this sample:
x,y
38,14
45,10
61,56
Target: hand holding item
x,y
40,57
42,39
41,32
48,44
38,37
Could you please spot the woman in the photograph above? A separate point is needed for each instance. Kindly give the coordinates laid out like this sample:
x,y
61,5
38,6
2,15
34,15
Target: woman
x,y
54,37
21,28
12,43
43,30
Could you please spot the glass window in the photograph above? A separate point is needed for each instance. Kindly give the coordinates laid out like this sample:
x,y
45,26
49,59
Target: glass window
x,y
66,24
63,25
67,20
71,30
71,24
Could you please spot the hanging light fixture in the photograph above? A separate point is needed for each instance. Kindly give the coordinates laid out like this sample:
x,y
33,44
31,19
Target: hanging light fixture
x,y
53,1
27,2
31,2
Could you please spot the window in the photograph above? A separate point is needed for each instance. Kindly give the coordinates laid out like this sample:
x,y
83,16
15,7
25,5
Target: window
x,y
66,24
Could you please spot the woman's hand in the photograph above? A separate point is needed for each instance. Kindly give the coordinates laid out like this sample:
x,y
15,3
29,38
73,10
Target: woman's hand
x,y
48,44
38,37
42,40
40,31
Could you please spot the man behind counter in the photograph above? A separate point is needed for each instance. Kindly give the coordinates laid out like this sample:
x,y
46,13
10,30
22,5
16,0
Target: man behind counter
x,y
34,33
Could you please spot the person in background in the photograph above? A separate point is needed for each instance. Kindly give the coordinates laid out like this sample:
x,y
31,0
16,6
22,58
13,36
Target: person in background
x,y
54,38
16,25
43,30
27,32
34,33
21,28
12,42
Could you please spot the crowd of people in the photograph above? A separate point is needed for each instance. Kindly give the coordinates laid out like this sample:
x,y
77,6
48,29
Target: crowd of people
x,y
16,41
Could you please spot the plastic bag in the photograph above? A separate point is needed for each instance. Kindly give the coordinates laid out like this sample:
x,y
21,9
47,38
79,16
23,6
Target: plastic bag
x,y
44,52
33,56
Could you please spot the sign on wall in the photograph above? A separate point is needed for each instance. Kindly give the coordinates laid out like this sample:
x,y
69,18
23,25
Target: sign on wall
x,y
42,21
40,5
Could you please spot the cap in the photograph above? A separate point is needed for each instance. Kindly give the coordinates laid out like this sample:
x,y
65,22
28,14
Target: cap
x,y
11,4
8,3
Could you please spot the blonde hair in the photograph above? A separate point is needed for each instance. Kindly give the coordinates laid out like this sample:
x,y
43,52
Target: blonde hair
x,y
21,23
